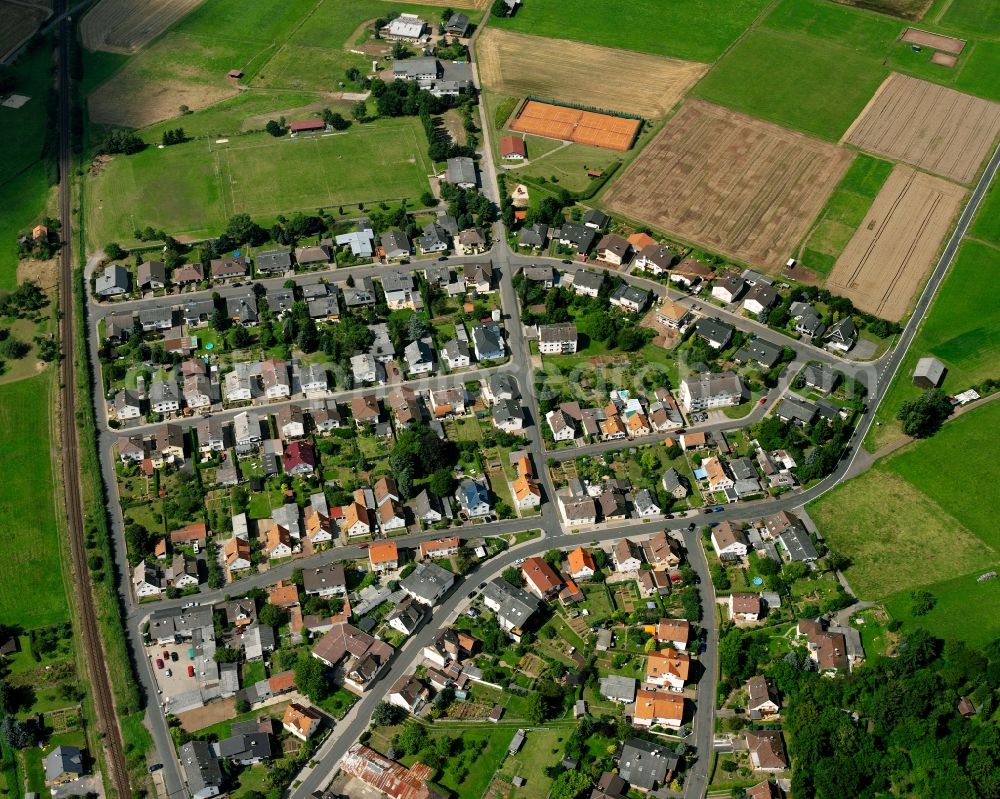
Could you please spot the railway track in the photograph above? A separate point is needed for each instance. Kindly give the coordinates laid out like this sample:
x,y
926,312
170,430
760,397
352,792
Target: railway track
x,y
100,685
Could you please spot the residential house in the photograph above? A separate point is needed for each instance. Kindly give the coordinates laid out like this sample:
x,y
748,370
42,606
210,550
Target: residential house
x,y
841,335
188,274
478,276
513,606
500,386
448,402
668,669
711,390
645,765
408,693
199,392
313,379
471,242
63,764
146,580
760,299
587,283
618,688
325,581
672,314
236,554
456,354
581,564
406,616
689,272
630,299
508,415
301,721
808,321
654,258
314,255
762,700
243,309
614,249
626,555
729,541
114,281
674,484
419,356
473,498
291,421
246,432
365,369
183,572
729,289
595,220
400,290
577,510
536,237
767,750
662,551
428,583
488,342
579,237
365,657
277,539
676,632
716,475
300,458
228,267
557,339
435,239
360,242
384,776
202,771
383,556
645,504
542,580
156,319
246,749
744,606
658,709
151,275
395,245
164,396
127,405
563,427
273,262
715,333
365,410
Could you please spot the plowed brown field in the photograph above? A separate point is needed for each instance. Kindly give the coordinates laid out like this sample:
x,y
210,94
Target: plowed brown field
x,y
572,72
736,185
921,123
885,263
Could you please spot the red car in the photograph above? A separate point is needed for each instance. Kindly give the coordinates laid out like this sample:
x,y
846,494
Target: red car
x,y
363,546
166,654
190,671
159,663
763,400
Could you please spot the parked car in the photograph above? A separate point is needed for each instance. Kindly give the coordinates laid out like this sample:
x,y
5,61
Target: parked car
x,y
166,654
155,767
169,673
173,656
159,663
190,671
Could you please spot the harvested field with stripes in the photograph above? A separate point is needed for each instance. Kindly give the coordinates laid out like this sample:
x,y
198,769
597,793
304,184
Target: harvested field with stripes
x,y
123,26
746,188
886,261
516,64
941,130
572,124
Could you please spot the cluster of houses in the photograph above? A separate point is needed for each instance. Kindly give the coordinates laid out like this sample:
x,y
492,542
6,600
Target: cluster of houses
x,y
732,541
626,298
584,503
626,416
363,245
197,384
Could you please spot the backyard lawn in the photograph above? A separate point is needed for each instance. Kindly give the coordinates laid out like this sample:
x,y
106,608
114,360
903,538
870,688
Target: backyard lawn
x,y
535,756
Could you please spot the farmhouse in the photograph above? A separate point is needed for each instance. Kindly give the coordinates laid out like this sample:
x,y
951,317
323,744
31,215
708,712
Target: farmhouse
x,y
405,27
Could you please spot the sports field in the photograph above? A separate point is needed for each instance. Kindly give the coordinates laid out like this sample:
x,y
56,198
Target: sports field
x,y
929,126
571,72
696,30
740,186
191,189
571,124
843,212
885,263
962,329
30,571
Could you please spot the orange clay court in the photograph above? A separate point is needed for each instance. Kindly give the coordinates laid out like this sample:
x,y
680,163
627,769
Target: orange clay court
x,y
572,124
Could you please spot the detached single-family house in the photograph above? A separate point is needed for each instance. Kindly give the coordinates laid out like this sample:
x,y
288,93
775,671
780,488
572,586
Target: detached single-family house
x,y
729,289
113,281
473,498
729,541
614,249
151,275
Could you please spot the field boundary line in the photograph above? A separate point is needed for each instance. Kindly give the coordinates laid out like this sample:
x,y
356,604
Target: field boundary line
x,y
861,114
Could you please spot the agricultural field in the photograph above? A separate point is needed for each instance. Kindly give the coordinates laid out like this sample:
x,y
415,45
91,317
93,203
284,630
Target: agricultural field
x,y
123,26
974,16
813,65
843,213
190,189
932,127
698,30
18,22
886,261
570,72
986,226
907,9
962,329
737,185
31,572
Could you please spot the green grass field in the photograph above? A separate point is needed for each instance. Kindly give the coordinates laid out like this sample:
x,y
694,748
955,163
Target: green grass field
x,y
813,65
951,616
697,30
191,189
987,223
940,468
804,83
897,538
30,572
962,329
973,16
843,212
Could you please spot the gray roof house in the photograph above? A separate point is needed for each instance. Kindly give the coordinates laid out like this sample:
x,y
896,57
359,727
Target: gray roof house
x,y
808,322
458,24
488,342
113,281
151,274
361,242
273,261
427,507
63,764
588,283
462,172
513,606
796,410
395,244
823,377
201,769
841,335
929,373
573,235
435,238
595,219
419,356
760,350
428,583
717,334
246,748
618,688
645,765
535,236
